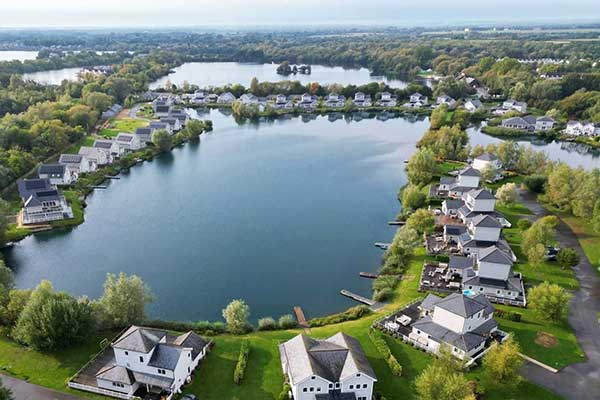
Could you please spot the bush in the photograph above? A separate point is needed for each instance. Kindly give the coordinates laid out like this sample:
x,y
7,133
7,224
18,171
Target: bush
x,y
240,368
284,395
383,294
536,182
287,322
383,348
523,224
348,315
568,257
509,315
267,324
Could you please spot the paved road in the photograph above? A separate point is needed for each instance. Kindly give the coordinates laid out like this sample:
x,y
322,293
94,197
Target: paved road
x,y
579,381
27,391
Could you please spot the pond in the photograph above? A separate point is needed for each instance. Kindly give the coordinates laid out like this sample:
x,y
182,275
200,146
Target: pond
x,y
206,74
53,77
10,55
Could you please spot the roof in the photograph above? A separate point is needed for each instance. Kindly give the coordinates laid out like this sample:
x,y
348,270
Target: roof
x,y
153,380
70,158
51,169
465,342
460,262
103,144
447,180
35,188
455,230
165,356
336,396
453,204
481,194
546,118
512,283
143,131
469,171
192,341
485,221
116,373
430,301
333,359
139,339
125,137
158,125
494,255
465,306
486,157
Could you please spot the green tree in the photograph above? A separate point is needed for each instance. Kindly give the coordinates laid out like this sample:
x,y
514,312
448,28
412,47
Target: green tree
x,y
437,382
267,324
448,143
549,301
53,320
124,300
536,254
412,197
162,140
18,299
236,315
567,257
488,173
502,363
507,193
287,321
596,216
586,195
193,129
560,187
422,221
536,182
438,117
421,167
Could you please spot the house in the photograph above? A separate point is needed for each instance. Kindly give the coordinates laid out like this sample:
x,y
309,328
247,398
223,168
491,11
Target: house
x,y
307,101
77,164
226,98
484,228
544,123
199,97
144,361
212,98
577,128
334,100
325,369
112,111
473,105
161,107
174,123
418,98
447,100
57,174
144,134
181,115
248,99
463,324
42,202
128,142
387,100
110,147
467,178
511,104
529,123
485,161
96,155
362,100
156,125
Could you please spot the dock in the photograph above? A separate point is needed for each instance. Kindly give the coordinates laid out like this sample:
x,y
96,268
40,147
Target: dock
x,y
100,187
374,305
302,322
112,177
382,246
396,222
369,275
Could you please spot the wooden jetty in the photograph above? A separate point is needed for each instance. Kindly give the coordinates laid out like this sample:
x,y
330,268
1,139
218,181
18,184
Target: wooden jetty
x,y
302,322
369,275
100,187
112,177
396,222
382,246
374,305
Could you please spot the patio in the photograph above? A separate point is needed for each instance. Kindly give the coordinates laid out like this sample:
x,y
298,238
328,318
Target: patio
x,y
437,277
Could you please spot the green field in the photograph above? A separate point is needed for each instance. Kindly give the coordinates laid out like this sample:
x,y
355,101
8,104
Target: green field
x,y
121,125
588,239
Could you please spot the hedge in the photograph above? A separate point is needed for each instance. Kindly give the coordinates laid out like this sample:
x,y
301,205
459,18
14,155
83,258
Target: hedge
x,y
240,368
348,315
384,350
509,315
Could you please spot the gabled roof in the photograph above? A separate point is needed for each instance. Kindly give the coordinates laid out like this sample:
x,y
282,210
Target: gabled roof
x,y
333,359
70,158
103,144
51,169
494,255
139,339
143,131
486,157
192,341
116,373
125,137
465,306
430,301
165,356
485,221
481,194
469,171
460,262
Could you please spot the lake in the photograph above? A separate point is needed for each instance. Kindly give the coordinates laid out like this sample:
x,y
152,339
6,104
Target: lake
x,y
53,77
9,55
280,214
206,74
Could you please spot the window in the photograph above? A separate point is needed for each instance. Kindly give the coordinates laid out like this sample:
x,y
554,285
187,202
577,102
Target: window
x,y
319,389
189,370
337,385
126,353
305,390
313,377
497,292
508,293
364,385
357,375
141,359
470,287
331,386
481,289
351,387
312,389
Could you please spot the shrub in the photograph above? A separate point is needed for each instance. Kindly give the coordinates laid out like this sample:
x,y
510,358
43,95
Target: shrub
x,y
267,324
383,348
287,322
509,315
383,294
240,368
523,224
348,315
568,257
536,182
284,395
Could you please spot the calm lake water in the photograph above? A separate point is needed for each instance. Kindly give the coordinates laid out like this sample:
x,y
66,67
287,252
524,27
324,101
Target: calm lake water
x,y
8,55
219,74
53,77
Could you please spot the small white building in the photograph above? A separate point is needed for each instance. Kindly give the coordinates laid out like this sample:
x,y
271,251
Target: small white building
x,y
387,100
110,147
486,160
473,105
577,128
362,100
511,104
248,99
77,164
334,100
128,142
484,228
445,100
96,155
226,98
418,97
332,368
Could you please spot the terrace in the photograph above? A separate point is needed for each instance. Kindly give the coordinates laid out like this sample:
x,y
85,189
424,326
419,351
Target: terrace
x,y
437,277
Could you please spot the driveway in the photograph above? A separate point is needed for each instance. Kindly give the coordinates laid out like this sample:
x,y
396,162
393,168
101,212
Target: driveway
x,y
27,391
579,381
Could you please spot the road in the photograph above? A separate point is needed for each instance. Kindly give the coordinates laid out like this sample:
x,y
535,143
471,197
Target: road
x,y
27,391
579,381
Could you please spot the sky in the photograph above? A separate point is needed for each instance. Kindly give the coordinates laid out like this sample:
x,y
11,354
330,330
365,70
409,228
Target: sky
x,y
173,13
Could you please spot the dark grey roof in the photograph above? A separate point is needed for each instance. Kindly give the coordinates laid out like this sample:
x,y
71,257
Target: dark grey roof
x,y
192,341
460,262
165,356
465,306
486,157
139,339
465,342
103,144
70,158
54,170
333,359
494,255
469,171
158,125
333,395
486,221
116,373
455,230
153,380
453,204
34,191
481,194
512,283
143,131
430,301
125,137
446,180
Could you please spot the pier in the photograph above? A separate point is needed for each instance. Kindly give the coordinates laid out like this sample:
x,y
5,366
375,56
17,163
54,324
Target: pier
x,y
382,246
100,187
356,297
112,177
369,275
302,322
396,223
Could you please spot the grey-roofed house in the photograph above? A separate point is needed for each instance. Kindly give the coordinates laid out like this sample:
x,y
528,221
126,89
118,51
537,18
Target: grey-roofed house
x,y
327,369
146,360
57,174
174,123
77,164
144,134
110,147
128,142
42,202
156,125
181,115
462,323
96,155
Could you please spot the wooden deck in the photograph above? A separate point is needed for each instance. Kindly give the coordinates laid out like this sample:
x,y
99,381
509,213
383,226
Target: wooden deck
x,y
302,322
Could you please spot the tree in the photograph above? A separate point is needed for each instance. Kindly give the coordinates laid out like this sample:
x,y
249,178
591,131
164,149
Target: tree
x,y
507,193
421,167
193,129
502,362
412,197
422,221
287,321
447,142
536,254
236,315
18,299
538,237
560,187
523,224
162,140
124,300
437,382
596,217
98,100
488,173
53,320
536,182
438,117
267,324
586,195
567,257
254,87
508,153
5,393
549,301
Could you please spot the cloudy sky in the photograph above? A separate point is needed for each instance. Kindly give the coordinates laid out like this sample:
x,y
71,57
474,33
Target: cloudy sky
x,y
152,13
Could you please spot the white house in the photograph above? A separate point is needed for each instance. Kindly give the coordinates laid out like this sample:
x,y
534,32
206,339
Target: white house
x,y
468,178
307,101
158,125
334,100
387,100
226,98
529,123
144,134
128,142
486,160
362,100
418,97
447,100
57,174
174,123
110,147
544,123
42,202
577,128
484,228
462,323
199,97
78,163
332,368
181,115
152,361
248,99
479,200
96,155
473,105
511,104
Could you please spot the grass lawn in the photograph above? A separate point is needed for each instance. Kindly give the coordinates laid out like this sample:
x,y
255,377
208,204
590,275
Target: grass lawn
x,y
14,233
86,141
121,125
448,166
72,198
588,239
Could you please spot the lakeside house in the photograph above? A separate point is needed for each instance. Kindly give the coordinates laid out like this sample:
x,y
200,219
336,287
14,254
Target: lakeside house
x,y
362,100
159,125
487,160
334,100
445,100
473,105
181,115
77,164
416,100
57,174
128,142
109,147
582,128
248,99
162,106
42,202
307,101
174,123
96,155
144,134
199,97
225,98
511,105
467,179
325,369
529,123
143,362
387,100
112,112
